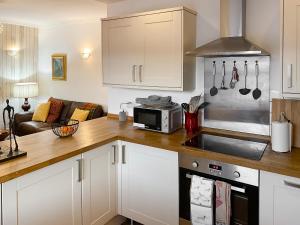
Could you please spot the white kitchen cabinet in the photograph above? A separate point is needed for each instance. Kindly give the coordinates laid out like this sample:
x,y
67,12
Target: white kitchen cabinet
x,y
291,48
162,58
121,51
99,185
133,180
147,50
149,185
279,199
48,196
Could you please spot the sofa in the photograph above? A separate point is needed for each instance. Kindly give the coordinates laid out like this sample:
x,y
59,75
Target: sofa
x,y
23,124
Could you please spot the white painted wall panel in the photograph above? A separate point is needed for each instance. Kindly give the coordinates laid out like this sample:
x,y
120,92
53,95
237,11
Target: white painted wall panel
x,y
84,77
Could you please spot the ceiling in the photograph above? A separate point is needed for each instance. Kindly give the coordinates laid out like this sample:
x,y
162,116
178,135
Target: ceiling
x,y
49,12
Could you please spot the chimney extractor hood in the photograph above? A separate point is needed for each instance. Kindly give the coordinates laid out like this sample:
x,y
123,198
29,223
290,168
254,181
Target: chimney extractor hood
x,y
232,31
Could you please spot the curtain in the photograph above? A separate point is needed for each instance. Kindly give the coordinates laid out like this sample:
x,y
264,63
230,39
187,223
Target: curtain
x,y
18,61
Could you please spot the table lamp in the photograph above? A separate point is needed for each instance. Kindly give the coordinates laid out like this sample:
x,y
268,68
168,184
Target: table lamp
x,y
25,90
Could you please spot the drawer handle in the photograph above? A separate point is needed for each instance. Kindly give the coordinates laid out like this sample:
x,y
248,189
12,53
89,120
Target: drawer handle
x,y
292,184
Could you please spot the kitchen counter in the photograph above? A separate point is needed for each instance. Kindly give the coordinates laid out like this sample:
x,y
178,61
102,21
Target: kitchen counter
x,y
44,148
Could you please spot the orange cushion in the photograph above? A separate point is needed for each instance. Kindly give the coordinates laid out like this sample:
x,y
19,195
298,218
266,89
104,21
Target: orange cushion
x,y
91,107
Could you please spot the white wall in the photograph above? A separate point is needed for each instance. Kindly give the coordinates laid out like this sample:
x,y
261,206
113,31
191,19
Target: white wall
x,y
84,81
263,28
207,29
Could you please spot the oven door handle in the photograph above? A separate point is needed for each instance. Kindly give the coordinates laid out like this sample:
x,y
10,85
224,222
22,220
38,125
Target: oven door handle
x,y
233,188
237,189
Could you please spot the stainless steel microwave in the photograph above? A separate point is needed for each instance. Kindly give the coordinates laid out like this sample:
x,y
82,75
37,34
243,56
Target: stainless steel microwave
x,y
161,119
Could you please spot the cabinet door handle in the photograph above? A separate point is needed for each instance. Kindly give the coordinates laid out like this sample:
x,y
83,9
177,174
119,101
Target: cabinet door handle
x,y
133,72
114,152
80,162
290,75
140,72
292,184
123,155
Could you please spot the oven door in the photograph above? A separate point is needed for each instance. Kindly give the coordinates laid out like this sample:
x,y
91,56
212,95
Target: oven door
x,y
244,199
147,118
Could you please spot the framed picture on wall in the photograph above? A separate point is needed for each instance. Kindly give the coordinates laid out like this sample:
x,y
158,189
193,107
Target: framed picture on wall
x,y
59,67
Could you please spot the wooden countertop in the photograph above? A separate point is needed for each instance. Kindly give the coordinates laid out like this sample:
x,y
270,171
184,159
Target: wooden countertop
x,y
44,148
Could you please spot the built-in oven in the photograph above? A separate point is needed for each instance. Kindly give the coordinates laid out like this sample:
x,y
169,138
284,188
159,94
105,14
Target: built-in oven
x,y
244,187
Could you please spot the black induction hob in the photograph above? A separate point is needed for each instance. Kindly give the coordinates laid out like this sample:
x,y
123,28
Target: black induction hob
x,y
232,146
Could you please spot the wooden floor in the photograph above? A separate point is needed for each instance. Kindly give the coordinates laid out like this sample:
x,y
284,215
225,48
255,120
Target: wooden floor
x,y
120,220
184,222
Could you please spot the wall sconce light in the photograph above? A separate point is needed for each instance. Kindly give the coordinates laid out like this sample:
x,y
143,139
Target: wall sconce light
x,y
12,52
86,53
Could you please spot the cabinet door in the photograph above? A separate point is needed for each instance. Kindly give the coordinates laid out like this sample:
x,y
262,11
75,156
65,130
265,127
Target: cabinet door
x,y
48,196
161,65
291,48
150,185
121,44
279,199
99,185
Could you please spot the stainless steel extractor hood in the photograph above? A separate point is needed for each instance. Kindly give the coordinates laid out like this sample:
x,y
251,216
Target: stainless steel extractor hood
x,y
232,32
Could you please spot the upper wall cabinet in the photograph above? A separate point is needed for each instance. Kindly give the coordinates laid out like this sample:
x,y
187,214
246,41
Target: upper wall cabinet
x,y
291,48
147,50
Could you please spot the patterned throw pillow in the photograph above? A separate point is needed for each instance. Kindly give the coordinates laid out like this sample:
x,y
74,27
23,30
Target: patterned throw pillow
x,y
90,107
55,110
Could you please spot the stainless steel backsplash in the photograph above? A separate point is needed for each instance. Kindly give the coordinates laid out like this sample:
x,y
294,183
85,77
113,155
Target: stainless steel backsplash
x,y
229,109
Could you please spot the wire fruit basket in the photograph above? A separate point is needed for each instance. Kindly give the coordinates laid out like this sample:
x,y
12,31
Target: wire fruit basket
x,y
65,128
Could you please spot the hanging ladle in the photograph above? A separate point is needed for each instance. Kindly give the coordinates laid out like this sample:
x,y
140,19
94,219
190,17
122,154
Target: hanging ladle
x,y
245,91
214,90
257,92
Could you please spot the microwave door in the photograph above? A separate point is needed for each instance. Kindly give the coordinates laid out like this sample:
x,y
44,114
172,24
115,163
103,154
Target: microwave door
x,y
148,118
